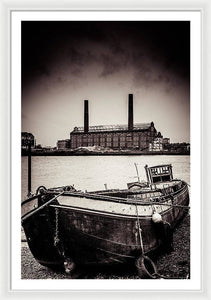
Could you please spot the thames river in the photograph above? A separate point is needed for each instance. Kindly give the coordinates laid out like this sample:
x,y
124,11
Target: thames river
x,y
94,172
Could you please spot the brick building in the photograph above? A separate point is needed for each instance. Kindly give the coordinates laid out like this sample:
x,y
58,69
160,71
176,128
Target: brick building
x,y
131,136
27,139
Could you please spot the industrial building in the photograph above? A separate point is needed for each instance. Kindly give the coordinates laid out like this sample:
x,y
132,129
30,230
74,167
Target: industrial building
x,y
140,136
27,139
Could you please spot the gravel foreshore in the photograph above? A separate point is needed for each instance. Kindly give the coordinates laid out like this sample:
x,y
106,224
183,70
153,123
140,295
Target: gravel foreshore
x,y
174,265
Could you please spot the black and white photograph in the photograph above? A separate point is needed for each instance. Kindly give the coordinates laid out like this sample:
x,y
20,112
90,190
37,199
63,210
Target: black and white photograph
x,y
106,150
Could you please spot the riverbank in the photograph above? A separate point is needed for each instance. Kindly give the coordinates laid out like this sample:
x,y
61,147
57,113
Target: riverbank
x,y
174,265
99,153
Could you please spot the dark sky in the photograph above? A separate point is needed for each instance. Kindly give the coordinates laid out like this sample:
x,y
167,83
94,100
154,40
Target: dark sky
x,y
64,63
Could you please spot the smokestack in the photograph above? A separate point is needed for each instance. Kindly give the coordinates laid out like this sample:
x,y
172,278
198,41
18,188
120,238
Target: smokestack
x,y
130,112
86,116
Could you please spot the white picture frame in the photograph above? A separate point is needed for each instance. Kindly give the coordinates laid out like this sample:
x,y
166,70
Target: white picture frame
x,y
7,15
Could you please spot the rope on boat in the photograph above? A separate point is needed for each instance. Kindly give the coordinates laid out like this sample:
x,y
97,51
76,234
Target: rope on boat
x,y
145,266
140,230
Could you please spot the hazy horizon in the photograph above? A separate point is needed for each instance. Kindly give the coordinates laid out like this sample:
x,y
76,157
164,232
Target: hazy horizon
x,y
66,62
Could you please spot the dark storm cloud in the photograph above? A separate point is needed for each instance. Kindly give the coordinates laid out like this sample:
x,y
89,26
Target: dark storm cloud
x,y
110,65
151,51
113,61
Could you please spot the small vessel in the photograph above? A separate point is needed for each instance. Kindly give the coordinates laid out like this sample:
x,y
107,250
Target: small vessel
x,y
65,227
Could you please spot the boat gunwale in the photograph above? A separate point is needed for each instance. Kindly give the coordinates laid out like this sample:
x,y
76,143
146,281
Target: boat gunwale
x,y
125,200
101,212
109,199
104,213
33,197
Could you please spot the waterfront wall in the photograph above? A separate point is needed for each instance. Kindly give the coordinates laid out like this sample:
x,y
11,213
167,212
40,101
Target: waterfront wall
x,y
86,152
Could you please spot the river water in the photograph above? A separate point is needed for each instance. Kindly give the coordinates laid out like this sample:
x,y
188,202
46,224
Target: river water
x,y
93,172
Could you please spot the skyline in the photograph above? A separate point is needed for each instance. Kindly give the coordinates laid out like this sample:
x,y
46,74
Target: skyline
x,y
66,62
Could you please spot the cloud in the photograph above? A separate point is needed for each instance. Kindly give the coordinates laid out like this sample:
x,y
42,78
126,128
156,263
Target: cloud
x,y
151,52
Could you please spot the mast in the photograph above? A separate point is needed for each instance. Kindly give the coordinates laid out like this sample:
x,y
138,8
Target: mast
x,y
137,172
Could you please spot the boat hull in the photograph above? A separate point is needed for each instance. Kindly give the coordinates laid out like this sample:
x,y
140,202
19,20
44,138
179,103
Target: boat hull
x,y
61,232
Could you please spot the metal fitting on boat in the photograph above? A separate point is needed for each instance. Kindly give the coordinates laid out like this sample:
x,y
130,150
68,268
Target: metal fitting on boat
x,y
41,190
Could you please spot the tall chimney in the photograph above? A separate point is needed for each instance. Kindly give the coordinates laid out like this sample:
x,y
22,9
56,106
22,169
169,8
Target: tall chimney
x,y
130,112
86,116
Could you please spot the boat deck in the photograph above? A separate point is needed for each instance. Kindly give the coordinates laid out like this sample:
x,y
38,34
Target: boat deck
x,y
110,207
123,202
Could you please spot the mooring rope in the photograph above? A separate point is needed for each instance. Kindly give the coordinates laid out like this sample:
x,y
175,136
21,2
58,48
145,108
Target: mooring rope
x,y
139,230
141,266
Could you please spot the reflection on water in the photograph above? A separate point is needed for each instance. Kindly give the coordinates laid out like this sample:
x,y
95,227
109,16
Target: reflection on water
x,y
93,172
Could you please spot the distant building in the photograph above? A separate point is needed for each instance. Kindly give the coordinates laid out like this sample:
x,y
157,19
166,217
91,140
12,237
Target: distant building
x,y
27,139
179,147
156,145
114,136
48,148
120,137
63,144
166,141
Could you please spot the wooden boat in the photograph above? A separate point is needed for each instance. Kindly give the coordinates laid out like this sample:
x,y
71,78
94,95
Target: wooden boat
x,y
65,227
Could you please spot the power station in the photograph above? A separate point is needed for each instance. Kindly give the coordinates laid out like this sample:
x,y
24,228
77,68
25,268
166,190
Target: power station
x,y
140,136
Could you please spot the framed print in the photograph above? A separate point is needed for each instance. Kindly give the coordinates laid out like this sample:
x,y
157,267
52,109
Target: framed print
x,y
104,134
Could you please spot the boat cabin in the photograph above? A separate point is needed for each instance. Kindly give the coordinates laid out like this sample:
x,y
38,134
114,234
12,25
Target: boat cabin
x,y
157,174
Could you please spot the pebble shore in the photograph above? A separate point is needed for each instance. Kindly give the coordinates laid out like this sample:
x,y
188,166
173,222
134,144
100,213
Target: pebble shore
x,y
174,265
